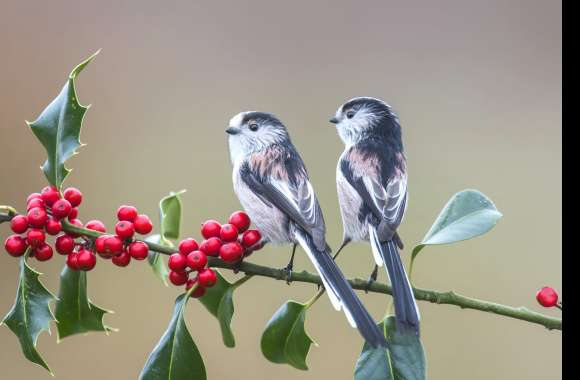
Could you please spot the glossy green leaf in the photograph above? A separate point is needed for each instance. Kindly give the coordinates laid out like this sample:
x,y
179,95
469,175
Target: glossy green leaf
x,y
170,222
30,314
218,300
468,214
404,359
176,356
170,211
284,339
75,313
156,261
58,128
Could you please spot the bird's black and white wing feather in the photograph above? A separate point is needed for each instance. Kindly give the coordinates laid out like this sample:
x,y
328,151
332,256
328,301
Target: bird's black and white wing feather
x,y
289,190
381,182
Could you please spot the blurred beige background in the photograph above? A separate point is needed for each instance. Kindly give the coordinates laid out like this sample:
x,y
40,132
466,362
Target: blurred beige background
x,y
477,86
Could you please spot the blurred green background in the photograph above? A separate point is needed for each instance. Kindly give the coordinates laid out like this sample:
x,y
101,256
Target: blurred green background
x,y
477,86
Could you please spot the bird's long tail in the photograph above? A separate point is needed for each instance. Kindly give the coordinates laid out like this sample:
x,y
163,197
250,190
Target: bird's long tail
x,y
340,292
406,310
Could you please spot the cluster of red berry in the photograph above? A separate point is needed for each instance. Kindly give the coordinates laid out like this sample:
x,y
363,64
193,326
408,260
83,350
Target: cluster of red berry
x,y
231,242
45,213
547,297
121,247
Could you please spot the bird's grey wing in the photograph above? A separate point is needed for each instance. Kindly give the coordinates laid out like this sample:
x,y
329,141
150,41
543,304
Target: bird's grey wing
x,y
295,198
386,199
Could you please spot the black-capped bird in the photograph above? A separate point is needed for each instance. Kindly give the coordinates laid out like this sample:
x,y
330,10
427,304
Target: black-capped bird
x,y
371,181
272,185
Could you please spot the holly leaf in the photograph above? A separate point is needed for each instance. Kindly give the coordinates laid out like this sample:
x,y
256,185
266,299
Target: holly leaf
x,y
466,215
176,356
58,128
218,300
284,340
30,314
170,215
75,313
170,222
404,359
156,261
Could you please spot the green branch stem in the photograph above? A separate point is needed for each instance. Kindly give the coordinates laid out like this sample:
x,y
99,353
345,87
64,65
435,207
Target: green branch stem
x,y
427,295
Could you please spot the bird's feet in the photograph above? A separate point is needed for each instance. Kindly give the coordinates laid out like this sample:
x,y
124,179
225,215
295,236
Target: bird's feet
x,y
288,273
372,278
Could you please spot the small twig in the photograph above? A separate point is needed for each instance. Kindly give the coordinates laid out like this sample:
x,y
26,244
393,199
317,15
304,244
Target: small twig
x,y
448,298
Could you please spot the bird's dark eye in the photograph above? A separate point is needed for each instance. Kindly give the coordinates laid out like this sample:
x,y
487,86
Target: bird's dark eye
x,y
253,126
350,114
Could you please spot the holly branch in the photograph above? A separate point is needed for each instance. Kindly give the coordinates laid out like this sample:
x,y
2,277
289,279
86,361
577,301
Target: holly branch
x,y
428,295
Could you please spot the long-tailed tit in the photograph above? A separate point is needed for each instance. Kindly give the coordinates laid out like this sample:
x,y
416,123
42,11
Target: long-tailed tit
x,y
272,185
371,180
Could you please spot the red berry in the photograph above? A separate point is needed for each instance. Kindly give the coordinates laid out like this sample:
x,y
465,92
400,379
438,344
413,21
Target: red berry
x,y
143,224
72,261
127,213
211,246
198,292
122,260
37,217
113,245
124,229
15,245
53,227
228,233
74,213
186,246
177,262
241,220
64,244
138,250
100,243
86,260
33,196
61,208
96,225
19,224
196,260
43,252
74,222
547,297
74,196
178,278
35,202
50,195
251,237
210,228
231,252
207,278
35,237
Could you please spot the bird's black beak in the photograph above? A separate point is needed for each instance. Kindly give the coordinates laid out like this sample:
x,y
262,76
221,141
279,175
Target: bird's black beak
x,y
334,120
232,131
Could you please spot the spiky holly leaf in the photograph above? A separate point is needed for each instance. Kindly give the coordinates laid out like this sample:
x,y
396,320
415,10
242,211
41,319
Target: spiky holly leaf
x,y
75,313
58,128
170,222
30,314
176,356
